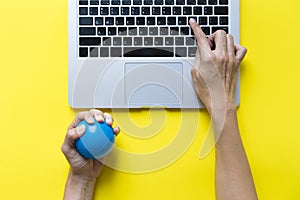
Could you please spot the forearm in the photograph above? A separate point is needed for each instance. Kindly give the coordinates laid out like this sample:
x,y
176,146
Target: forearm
x,y
79,188
233,174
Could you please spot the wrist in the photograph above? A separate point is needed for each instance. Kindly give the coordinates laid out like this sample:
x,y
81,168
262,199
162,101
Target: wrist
x,y
81,178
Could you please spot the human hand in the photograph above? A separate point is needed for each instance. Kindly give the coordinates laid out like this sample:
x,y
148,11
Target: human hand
x,y
215,68
82,167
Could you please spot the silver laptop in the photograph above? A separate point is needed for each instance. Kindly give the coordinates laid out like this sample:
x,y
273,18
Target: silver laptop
x,y
139,53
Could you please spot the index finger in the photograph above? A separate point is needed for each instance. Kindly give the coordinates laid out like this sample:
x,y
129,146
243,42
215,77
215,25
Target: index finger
x,y
200,35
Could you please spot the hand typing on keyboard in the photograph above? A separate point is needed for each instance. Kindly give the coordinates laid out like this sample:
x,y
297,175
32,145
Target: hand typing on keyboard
x,y
217,60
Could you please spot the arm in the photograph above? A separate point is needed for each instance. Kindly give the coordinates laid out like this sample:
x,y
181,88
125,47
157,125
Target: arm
x,y
214,75
83,172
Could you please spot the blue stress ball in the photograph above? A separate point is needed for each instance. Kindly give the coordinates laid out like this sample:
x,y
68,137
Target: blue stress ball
x,y
97,141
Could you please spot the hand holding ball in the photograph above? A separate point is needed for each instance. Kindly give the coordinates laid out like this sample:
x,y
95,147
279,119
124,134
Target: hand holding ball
x,y
97,140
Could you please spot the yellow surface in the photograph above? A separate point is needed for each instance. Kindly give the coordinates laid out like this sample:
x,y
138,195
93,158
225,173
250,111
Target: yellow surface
x,y
35,113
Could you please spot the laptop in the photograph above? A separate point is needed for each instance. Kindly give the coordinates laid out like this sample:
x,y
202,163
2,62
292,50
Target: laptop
x,y
139,53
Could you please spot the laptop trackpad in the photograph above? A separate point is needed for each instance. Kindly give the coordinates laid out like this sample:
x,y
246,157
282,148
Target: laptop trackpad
x,y
153,84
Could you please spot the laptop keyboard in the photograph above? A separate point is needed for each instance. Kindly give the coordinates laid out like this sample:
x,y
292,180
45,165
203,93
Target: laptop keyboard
x,y
146,28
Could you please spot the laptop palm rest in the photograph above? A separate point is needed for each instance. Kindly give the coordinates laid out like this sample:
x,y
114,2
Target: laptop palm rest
x,y
146,84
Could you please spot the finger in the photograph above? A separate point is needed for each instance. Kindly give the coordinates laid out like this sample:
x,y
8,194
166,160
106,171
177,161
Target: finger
x,y
72,135
108,119
116,130
220,39
240,53
199,34
230,46
79,117
98,115
89,116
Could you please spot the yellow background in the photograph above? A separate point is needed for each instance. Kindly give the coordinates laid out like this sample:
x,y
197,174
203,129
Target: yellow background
x,y
34,112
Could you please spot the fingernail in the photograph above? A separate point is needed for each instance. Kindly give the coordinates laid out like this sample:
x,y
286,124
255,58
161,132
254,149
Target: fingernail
x,y
71,132
80,129
98,117
108,120
192,20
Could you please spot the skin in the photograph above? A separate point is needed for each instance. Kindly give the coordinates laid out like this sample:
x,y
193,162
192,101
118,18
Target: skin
x,y
214,75
83,172
217,61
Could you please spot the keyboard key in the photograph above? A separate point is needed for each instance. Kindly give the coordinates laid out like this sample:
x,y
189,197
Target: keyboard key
x,y
127,41
214,29
169,2
115,51
174,30
153,30
122,30
176,10
184,30
171,20
143,30
179,41
161,21
180,52
129,20
93,10
101,31
148,41
197,10
83,11
192,51
137,2
83,2
89,41
125,11
206,30
201,2
202,20
119,20
83,52
182,21
207,10
212,2
194,17
115,2
169,41
164,31
138,41
135,11
98,21
158,41
132,31
106,41
223,20
103,10
109,21
94,2
155,10
112,31
104,2
94,51
140,21
166,10
126,2
213,21
148,52
221,10
189,41
187,10
145,10
85,21
117,41
150,20
114,11
104,51
180,2
158,2
87,31
223,2
148,2
191,2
